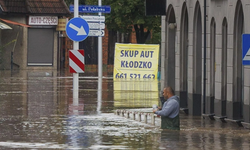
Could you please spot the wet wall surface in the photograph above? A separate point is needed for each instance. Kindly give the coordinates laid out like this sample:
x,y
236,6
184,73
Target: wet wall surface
x,y
37,112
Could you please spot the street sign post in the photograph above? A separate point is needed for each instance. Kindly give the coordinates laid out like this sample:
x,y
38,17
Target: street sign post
x,y
77,29
99,32
91,9
246,49
99,64
75,47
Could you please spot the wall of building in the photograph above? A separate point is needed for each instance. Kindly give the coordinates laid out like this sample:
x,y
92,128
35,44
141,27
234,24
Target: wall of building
x,y
19,48
227,85
21,43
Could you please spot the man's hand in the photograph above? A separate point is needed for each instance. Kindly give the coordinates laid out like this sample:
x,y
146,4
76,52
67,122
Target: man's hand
x,y
155,110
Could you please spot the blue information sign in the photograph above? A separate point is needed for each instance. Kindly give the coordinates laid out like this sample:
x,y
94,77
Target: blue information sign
x,y
91,9
246,49
77,29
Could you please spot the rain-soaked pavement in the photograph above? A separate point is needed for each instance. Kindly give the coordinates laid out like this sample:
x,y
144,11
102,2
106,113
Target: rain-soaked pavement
x,y
37,112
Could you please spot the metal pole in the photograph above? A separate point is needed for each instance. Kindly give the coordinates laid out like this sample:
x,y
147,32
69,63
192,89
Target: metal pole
x,y
99,49
99,92
76,47
99,96
205,57
11,61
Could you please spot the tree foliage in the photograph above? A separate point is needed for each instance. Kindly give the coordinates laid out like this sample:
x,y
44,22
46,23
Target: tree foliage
x,y
127,15
71,2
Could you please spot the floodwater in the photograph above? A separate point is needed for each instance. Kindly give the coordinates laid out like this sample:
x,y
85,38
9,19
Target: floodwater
x,y
37,112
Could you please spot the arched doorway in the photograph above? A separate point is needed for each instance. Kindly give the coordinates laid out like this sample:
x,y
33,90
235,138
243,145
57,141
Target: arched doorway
x,y
210,101
220,103
184,58
195,103
234,108
169,55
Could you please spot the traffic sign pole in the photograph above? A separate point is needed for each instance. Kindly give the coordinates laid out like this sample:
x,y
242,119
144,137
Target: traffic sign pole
x,y
99,97
100,48
76,47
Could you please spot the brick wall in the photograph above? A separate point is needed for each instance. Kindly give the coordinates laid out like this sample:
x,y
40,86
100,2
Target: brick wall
x,y
105,42
68,46
133,37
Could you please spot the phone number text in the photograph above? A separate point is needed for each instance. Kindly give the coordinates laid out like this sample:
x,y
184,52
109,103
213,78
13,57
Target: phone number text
x,y
134,76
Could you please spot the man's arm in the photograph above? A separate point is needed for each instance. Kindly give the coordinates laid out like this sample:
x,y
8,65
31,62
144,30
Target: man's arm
x,y
171,106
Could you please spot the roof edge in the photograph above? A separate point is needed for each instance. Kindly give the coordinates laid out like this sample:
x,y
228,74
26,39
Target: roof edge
x,y
27,5
66,6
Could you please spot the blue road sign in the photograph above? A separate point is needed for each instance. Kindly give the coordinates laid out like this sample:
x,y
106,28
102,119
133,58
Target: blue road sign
x,y
246,49
91,9
77,29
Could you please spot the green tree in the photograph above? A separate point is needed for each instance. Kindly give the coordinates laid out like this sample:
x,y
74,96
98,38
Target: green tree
x,y
128,14
71,2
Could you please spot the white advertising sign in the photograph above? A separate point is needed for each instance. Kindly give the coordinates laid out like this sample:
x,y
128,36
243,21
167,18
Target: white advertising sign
x,y
43,20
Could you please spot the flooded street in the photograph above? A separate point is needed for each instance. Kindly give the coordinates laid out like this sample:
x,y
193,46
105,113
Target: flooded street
x,y
37,112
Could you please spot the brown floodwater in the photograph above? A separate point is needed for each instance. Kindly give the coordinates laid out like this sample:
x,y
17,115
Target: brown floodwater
x,y
37,112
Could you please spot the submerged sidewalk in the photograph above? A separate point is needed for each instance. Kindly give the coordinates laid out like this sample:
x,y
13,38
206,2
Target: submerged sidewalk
x,y
187,122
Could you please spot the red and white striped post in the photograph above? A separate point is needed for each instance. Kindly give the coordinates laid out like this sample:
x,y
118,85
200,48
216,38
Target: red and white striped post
x,y
76,61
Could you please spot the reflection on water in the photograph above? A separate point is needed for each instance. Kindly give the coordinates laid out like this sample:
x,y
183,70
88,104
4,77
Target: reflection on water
x,y
135,93
37,112
40,95
99,96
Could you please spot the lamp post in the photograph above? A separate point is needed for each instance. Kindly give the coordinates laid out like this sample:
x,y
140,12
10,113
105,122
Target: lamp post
x,y
205,57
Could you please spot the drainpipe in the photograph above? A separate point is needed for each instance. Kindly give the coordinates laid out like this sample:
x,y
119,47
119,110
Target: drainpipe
x,y
205,57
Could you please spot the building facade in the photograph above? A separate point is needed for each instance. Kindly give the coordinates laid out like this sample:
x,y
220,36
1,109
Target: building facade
x,y
227,96
34,32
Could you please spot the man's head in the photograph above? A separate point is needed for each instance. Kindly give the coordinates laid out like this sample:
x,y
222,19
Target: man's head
x,y
168,92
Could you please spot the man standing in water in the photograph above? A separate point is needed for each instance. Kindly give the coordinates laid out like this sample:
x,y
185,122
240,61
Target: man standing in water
x,y
170,110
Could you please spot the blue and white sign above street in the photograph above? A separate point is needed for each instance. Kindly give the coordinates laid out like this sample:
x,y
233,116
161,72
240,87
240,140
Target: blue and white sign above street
x,y
77,29
246,49
91,9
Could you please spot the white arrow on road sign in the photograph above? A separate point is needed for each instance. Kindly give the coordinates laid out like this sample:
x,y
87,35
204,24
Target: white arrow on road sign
x,y
96,25
77,29
96,32
247,56
80,31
